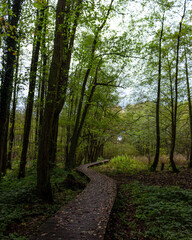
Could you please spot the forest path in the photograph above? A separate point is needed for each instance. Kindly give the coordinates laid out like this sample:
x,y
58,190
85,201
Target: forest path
x,y
85,217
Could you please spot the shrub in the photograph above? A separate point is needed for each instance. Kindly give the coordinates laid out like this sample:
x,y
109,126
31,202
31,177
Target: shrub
x,y
115,149
123,164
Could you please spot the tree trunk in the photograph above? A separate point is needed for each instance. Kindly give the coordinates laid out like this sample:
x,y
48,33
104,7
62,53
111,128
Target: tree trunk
x,y
69,35
70,161
12,116
30,98
38,106
172,107
174,123
4,160
43,174
53,146
7,80
44,74
156,160
189,105
12,128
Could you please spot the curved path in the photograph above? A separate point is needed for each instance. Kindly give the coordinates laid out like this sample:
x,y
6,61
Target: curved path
x,y
85,217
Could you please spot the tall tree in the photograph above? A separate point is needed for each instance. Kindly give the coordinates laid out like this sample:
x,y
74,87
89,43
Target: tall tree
x,y
30,98
13,112
189,104
43,174
7,79
81,114
174,122
72,13
154,165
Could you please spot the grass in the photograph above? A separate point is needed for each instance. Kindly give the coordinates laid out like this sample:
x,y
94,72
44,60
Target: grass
x,y
20,208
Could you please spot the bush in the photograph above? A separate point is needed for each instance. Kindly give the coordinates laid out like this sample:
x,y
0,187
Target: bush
x,y
123,164
113,150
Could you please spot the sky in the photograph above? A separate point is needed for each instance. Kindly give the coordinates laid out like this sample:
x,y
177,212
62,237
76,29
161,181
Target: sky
x,y
120,23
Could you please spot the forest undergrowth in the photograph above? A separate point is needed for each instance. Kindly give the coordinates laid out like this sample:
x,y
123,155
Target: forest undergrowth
x,y
22,212
149,205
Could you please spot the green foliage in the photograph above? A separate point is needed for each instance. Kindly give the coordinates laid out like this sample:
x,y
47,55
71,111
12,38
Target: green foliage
x,y
15,197
116,149
39,4
166,212
123,164
19,203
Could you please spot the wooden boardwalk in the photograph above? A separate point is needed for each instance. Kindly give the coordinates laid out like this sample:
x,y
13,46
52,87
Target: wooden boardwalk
x,y
85,217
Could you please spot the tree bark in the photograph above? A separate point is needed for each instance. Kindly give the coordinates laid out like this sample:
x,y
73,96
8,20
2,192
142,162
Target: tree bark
x,y
4,160
174,123
189,105
69,36
43,174
38,106
30,98
12,116
156,160
7,80
44,74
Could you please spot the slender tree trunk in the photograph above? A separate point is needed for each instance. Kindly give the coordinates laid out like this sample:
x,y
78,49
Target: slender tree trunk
x,y
42,99
156,160
12,128
68,128
70,161
30,98
189,105
12,116
172,98
174,123
7,81
4,162
38,106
